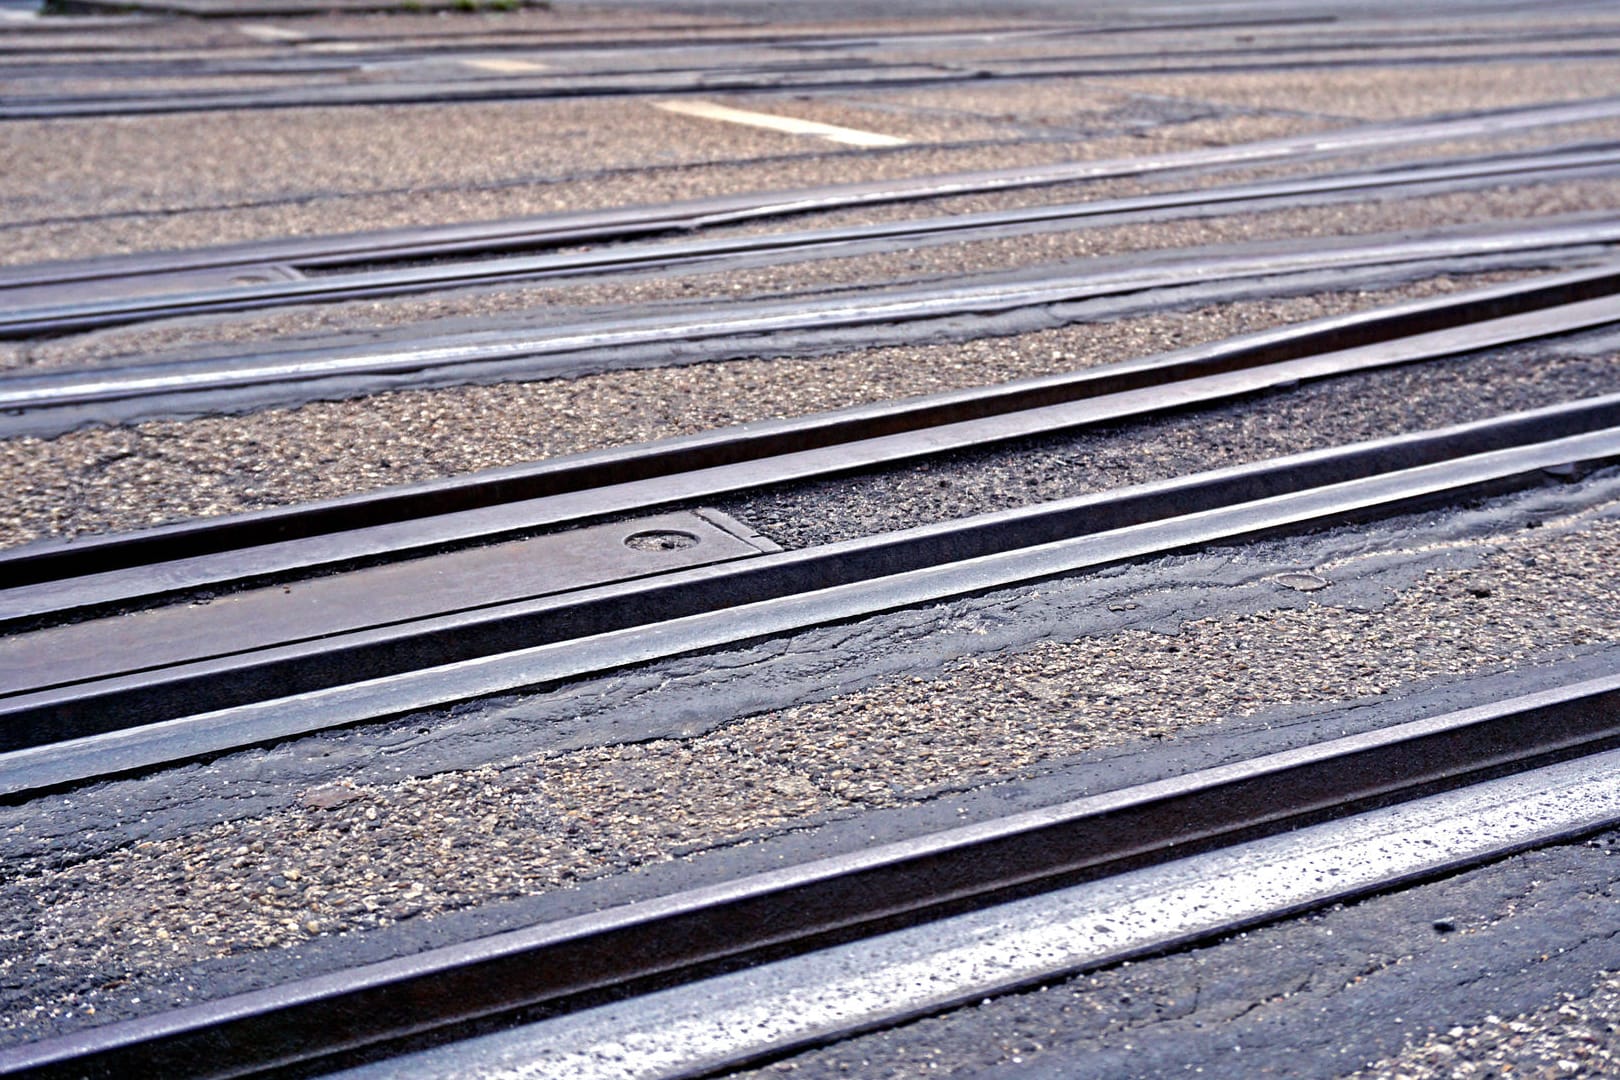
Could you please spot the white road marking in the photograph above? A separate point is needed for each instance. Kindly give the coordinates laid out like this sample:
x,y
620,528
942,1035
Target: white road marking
x,y
339,46
503,65
262,32
709,110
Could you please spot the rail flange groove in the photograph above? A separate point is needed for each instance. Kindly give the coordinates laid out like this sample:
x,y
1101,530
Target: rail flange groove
x,y
504,502
61,310
797,907
680,217
439,661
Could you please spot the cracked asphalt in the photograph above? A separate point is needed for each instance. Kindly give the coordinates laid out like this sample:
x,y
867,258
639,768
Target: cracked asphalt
x,y
127,897
109,929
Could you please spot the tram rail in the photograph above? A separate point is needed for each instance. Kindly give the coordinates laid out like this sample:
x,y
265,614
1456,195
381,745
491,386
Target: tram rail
x,y
61,686
685,935
22,314
381,634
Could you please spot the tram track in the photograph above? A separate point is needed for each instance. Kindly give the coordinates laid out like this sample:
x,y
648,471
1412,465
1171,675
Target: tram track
x,y
802,59
504,503
684,935
368,662
27,310
967,765
802,75
61,400
1016,950
334,253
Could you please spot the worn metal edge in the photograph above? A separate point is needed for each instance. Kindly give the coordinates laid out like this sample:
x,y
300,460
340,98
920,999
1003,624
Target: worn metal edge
x,y
1241,366
102,312
24,397
1554,804
699,213
705,81
906,878
432,640
29,771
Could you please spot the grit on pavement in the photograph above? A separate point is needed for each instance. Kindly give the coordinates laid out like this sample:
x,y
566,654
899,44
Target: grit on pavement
x,y
135,895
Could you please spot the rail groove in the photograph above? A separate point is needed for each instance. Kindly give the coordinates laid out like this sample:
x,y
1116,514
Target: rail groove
x,y
372,674
61,400
833,74
283,285
123,656
551,230
804,905
61,577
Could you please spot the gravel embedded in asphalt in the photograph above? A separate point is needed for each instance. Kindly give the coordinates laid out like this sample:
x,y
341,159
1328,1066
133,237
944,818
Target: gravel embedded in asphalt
x,y
1314,995
1578,1035
1417,397
102,480
1390,92
157,201
129,902
344,857
833,277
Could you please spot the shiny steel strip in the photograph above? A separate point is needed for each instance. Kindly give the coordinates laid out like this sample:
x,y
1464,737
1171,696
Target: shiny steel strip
x,y
778,594
703,213
731,1021
852,73
1092,396
1154,822
80,387
100,311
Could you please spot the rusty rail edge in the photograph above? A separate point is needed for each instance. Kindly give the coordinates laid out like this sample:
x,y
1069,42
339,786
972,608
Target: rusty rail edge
x,y
529,646
689,215
61,314
793,908
63,577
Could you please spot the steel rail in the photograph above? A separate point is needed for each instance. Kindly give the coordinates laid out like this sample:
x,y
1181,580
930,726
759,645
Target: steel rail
x,y
677,937
94,572
203,60
61,400
53,690
855,74
56,315
613,38
885,981
803,57
591,631
629,222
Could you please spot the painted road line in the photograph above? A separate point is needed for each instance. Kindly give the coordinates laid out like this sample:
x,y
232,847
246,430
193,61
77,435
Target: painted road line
x,y
263,32
709,110
503,65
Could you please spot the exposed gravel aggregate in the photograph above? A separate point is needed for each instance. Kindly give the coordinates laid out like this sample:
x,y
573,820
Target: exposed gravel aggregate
x,y
946,260
1192,179
824,277
1392,92
1406,399
351,857
1314,995
113,479
1578,1035
160,202
99,926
